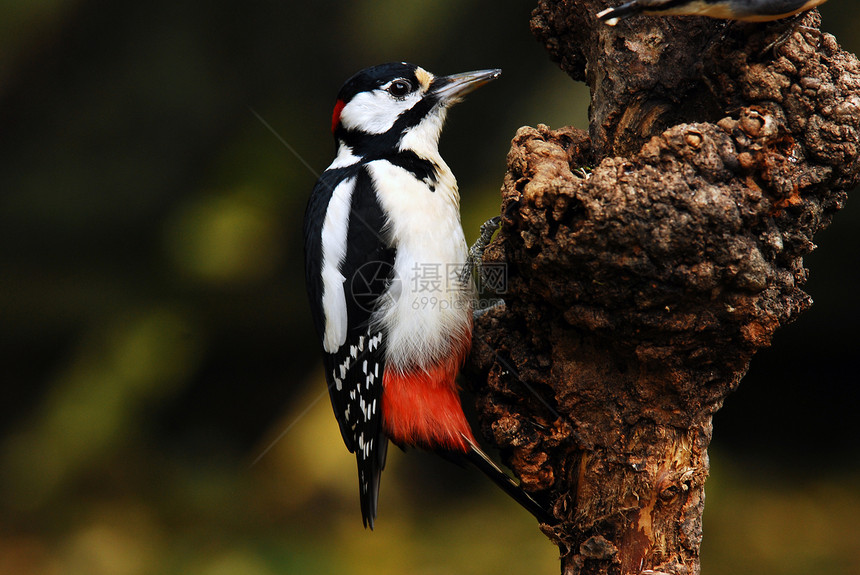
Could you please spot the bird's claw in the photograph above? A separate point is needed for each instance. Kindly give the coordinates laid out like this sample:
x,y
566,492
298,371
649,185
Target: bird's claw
x,y
476,252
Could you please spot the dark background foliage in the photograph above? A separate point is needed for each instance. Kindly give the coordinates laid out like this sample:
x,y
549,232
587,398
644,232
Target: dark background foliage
x,y
155,160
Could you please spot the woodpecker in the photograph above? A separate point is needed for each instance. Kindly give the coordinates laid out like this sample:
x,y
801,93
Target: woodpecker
x,y
746,10
385,253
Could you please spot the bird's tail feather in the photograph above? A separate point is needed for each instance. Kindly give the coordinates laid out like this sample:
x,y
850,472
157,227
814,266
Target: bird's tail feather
x,y
482,461
612,15
369,474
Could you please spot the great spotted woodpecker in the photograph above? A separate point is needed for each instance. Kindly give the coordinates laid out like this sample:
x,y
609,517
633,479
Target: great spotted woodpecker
x,y
746,10
385,252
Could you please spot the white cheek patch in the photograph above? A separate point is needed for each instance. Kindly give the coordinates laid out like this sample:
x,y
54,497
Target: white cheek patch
x,y
334,230
375,112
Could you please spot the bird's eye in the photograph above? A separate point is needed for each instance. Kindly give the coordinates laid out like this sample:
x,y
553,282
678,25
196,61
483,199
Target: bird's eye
x,y
399,88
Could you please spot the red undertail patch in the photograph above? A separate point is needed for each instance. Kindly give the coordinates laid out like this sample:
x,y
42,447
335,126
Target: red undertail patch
x,y
423,408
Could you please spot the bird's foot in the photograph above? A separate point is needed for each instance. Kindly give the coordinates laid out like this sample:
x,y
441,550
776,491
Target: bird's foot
x,y
491,305
476,252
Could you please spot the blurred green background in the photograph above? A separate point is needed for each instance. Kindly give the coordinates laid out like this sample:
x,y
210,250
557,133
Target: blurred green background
x,y
162,406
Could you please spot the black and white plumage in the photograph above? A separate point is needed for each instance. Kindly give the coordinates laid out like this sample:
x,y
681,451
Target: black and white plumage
x,y
745,10
344,200
385,211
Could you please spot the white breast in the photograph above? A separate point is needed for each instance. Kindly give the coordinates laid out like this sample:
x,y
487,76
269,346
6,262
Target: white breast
x,y
427,307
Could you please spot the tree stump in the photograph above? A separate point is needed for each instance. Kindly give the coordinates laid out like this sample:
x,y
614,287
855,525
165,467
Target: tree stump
x,y
639,288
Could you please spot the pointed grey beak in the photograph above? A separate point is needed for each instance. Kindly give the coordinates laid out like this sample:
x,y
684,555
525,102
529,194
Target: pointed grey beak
x,y
451,89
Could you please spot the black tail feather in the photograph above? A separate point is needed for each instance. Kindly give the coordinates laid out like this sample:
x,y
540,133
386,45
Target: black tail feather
x,y
612,15
369,474
480,460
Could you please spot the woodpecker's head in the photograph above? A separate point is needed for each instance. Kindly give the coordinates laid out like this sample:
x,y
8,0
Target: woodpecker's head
x,y
398,106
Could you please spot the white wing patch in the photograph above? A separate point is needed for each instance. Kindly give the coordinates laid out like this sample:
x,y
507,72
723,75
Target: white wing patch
x,y
334,231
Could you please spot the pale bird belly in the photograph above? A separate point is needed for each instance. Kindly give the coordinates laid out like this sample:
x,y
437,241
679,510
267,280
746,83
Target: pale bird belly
x,y
427,311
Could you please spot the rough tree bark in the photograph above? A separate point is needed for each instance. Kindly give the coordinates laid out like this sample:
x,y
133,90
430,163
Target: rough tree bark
x,y
638,293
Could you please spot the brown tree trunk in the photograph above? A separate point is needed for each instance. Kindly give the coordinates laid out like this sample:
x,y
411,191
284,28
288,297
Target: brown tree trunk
x,y
639,289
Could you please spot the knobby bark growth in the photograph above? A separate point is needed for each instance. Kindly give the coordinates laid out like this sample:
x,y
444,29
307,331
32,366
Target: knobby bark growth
x,y
638,292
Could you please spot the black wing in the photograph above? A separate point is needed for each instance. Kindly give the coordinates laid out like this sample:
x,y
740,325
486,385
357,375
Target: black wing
x,y
354,371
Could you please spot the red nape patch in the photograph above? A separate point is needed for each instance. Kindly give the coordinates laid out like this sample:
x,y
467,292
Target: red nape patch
x,y
422,408
335,116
